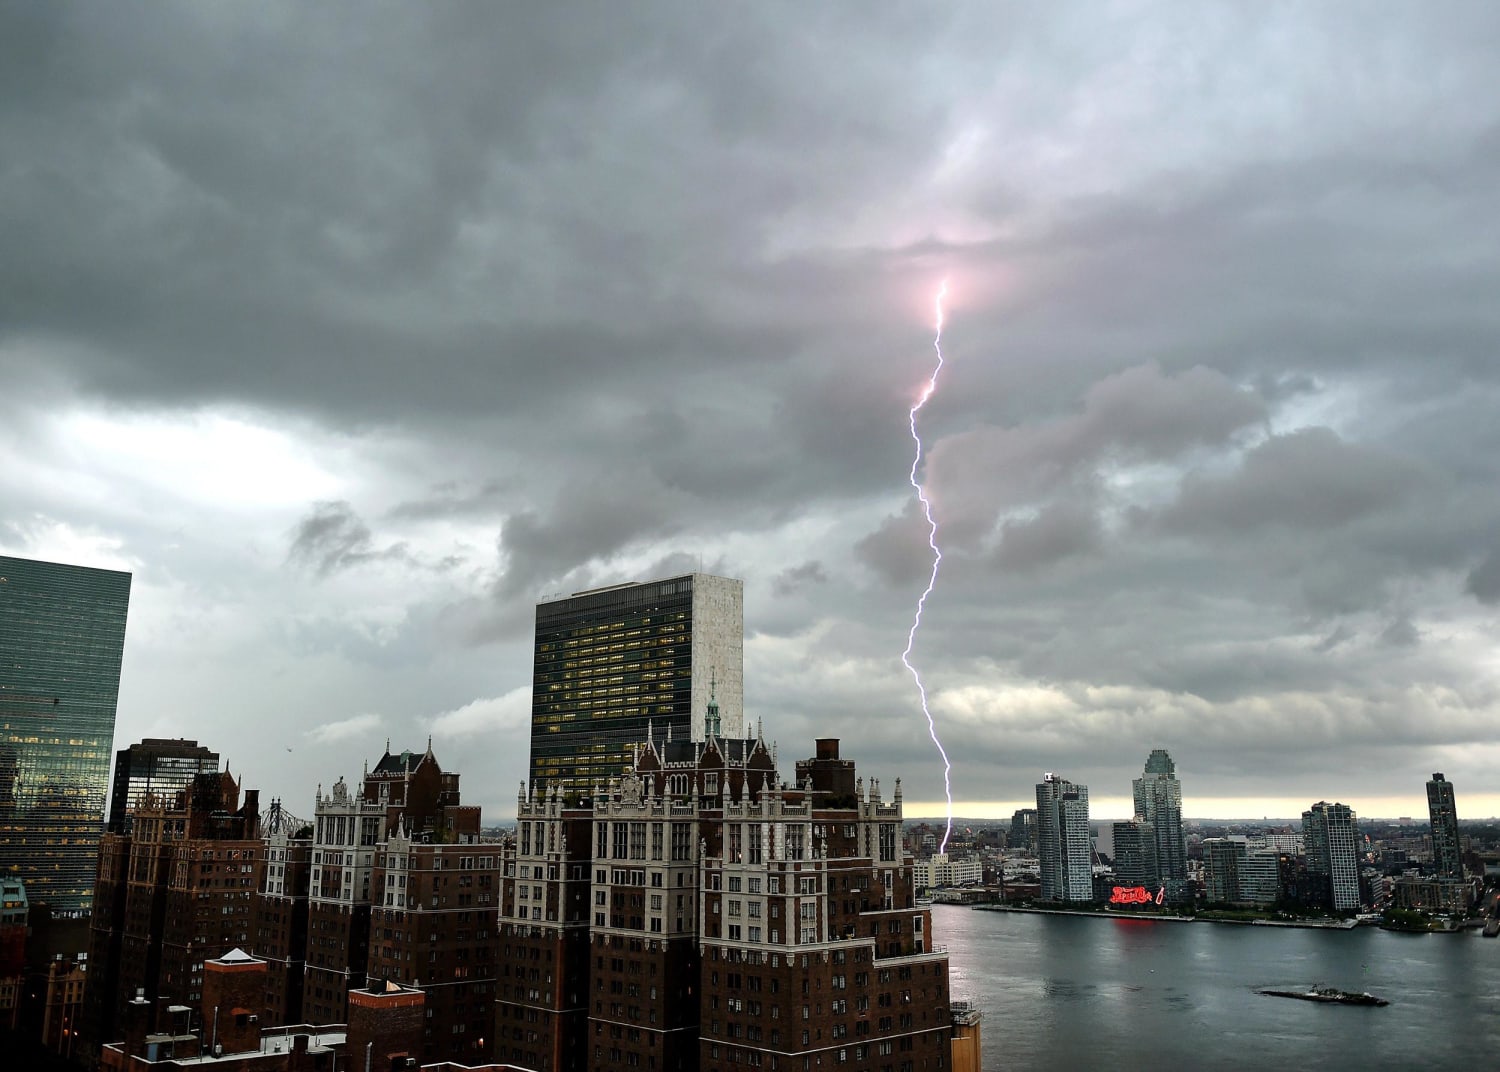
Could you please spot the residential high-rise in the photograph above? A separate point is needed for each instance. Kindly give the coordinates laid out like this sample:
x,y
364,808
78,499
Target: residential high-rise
x,y
1447,859
62,638
1022,830
401,888
1135,853
1158,800
160,767
1221,869
279,935
716,918
1332,838
613,662
1064,847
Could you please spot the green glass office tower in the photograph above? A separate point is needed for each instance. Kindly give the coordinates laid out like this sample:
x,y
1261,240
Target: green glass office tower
x,y
62,636
611,661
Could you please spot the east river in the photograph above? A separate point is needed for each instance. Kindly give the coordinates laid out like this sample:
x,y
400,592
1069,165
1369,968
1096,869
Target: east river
x,y
1060,992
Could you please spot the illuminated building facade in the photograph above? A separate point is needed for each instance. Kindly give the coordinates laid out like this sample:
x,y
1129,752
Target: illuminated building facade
x,y
612,662
1064,845
1447,857
62,637
157,767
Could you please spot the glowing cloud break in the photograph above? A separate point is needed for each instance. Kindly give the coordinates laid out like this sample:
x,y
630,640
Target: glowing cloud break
x,y
937,556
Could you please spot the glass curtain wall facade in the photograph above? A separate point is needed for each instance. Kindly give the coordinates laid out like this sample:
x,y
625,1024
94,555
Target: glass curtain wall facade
x,y
608,663
1442,811
1158,800
62,638
1064,844
159,767
1331,834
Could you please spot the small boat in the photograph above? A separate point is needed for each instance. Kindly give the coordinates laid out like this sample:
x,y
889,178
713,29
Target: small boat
x,y
1328,995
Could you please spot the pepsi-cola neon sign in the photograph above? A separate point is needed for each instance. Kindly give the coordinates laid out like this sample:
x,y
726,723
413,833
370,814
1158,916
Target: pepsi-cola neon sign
x,y
1128,895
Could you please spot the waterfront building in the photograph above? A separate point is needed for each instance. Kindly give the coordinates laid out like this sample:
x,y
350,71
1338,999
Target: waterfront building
x,y
1064,846
1135,853
154,766
1442,811
940,871
609,663
1260,877
1221,869
1158,801
1331,834
62,638
1433,895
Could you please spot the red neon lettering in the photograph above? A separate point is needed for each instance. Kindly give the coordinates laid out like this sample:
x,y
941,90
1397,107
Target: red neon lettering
x,y
1130,895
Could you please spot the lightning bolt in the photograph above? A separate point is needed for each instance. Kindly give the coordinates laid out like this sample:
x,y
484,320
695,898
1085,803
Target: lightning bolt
x,y
937,554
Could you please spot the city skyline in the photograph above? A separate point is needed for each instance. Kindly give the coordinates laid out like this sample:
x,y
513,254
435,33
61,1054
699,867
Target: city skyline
x,y
354,357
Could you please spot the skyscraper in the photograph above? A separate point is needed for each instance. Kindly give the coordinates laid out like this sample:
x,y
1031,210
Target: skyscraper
x,y
613,661
62,637
159,767
1332,839
1063,843
1447,861
1158,800
1135,853
1022,830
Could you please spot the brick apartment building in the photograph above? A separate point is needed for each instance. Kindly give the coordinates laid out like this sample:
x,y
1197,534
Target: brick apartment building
x,y
722,919
696,913
279,920
433,925
175,892
407,793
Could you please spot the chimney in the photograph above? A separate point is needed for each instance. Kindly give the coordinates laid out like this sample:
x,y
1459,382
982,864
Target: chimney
x,y
391,1017
234,989
137,1020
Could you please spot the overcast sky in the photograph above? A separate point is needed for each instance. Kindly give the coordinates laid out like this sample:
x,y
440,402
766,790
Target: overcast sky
x,y
354,330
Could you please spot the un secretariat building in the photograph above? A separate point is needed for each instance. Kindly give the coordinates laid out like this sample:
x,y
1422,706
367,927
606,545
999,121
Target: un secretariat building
x,y
610,662
62,636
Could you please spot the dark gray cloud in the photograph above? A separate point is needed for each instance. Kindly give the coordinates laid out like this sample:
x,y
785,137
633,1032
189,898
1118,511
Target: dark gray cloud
x,y
1308,479
1483,582
794,578
356,330
333,537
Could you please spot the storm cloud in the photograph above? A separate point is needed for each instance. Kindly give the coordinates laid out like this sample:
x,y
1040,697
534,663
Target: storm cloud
x,y
355,330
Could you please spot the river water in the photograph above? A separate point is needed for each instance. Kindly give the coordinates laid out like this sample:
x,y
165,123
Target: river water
x,y
1060,992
